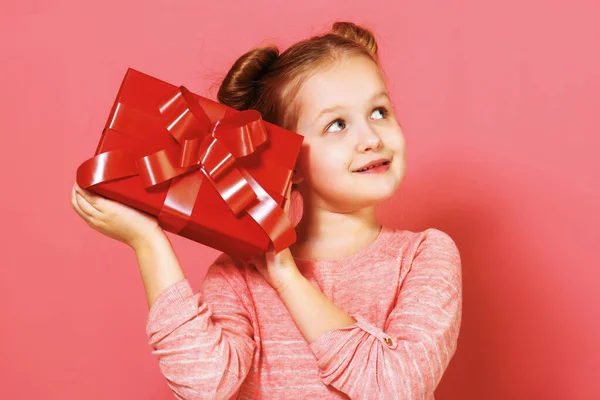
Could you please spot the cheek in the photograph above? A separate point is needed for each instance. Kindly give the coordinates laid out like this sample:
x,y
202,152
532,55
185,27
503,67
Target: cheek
x,y
322,160
396,142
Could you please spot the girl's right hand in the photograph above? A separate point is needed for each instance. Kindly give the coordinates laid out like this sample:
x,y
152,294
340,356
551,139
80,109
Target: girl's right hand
x,y
114,219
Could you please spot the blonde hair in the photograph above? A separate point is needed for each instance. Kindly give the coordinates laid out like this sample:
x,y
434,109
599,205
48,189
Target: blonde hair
x,y
264,80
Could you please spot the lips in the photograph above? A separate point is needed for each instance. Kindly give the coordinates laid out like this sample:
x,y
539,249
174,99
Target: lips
x,y
372,164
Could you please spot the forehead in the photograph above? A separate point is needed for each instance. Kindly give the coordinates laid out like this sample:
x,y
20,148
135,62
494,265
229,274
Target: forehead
x,y
349,82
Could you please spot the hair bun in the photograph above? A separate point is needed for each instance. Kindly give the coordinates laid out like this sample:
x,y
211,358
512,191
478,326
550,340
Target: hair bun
x,y
239,88
357,34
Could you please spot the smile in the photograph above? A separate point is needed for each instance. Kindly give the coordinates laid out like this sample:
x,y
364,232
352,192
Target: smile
x,y
380,166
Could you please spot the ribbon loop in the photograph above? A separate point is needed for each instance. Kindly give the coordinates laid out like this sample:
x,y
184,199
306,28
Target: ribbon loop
x,y
201,151
159,167
242,133
190,151
181,118
215,159
212,151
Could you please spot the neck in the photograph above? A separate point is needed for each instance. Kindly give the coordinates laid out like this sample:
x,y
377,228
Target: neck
x,y
326,234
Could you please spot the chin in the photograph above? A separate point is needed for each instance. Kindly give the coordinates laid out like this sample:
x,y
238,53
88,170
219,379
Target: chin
x,y
373,199
370,197
358,195
376,189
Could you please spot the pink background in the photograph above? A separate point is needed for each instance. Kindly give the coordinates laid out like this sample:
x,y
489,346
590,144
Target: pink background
x,y
499,103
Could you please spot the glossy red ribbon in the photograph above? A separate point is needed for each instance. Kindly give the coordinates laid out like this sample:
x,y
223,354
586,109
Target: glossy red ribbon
x,y
204,151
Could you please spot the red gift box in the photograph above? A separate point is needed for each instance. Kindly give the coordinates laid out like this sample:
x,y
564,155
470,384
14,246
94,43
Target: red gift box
x,y
209,173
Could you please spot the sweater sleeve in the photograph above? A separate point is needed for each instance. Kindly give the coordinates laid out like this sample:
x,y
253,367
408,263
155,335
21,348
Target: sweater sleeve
x,y
407,358
203,341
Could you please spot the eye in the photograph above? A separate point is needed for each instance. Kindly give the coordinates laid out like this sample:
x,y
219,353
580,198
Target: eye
x,y
382,110
342,124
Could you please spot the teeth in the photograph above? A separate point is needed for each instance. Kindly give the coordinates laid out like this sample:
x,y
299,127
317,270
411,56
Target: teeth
x,y
371,167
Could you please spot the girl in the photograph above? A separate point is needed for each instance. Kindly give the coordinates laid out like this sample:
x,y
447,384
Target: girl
x,y
353,309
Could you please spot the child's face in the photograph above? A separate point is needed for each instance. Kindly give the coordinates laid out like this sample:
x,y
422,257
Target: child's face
x,y
362,128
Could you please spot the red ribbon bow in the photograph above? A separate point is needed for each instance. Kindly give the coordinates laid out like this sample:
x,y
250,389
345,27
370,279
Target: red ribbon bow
x,y
203,151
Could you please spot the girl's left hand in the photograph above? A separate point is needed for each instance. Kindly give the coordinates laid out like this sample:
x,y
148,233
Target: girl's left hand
x,y
278,269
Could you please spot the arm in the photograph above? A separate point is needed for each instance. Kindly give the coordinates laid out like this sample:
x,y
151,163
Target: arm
x,y
203,341
409,356
159,266
311,310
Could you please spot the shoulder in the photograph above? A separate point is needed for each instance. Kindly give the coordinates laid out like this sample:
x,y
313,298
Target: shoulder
x,y
413,243
430,248
405,243
437,242
394,241
433,253
430,257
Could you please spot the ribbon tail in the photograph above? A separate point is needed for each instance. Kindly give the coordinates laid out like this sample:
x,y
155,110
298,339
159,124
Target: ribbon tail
x,y
270,217
179,203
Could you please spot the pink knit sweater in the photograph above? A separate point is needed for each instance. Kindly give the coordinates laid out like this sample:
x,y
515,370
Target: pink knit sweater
x,y
235,338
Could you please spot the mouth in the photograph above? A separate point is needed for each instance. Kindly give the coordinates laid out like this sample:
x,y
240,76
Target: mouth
x,y
373,165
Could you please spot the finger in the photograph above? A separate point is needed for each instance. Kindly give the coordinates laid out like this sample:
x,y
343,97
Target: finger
x,y
87,208
86,194
92,199
76,207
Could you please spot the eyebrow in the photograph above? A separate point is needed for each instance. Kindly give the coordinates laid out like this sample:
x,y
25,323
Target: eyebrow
x,y
327,110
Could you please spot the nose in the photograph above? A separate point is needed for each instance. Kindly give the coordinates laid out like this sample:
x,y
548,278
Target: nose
x,y
369,140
